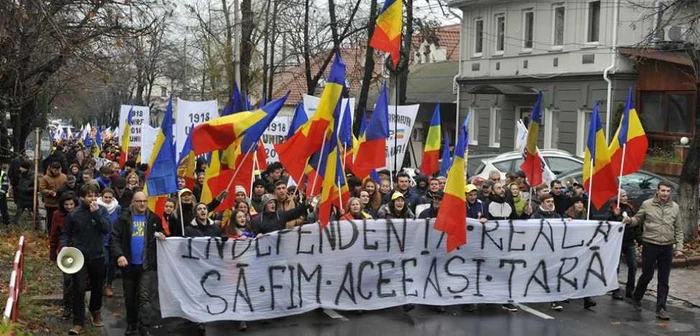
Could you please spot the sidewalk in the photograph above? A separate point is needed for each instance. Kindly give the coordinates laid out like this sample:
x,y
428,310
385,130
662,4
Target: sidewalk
x,y
683,284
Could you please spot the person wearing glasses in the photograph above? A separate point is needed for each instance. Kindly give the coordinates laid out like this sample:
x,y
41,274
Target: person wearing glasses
x,y
134,245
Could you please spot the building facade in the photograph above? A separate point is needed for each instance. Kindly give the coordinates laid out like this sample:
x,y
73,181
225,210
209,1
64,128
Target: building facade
x,y
510,50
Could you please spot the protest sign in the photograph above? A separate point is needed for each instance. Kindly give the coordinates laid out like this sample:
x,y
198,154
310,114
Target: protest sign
x,y
148,141
405,120
140,117
375,264
274,134
192,113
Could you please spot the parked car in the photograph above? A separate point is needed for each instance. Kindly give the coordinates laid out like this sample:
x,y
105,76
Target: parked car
x,y
640,186
559,161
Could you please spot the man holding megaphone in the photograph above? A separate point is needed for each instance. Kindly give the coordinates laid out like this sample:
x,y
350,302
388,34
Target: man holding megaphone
x,y
84,229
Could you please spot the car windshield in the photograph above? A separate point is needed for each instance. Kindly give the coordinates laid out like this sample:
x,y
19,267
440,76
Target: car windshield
x,y
639,181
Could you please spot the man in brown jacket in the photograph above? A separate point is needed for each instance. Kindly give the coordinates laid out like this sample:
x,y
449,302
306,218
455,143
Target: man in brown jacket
x,y
661,220
50,182
285,202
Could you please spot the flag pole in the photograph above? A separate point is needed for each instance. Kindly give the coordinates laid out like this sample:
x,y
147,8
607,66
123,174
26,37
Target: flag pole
x,y
619,180
252,179
396,127
590,192
235,172
182,219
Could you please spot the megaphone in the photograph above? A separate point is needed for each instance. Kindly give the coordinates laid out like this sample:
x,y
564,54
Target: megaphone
x,y
70,260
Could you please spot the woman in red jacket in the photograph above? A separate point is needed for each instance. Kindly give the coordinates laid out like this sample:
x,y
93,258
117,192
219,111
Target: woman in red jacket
x,y
66,203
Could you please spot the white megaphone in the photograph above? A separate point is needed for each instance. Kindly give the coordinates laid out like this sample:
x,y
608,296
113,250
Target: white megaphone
x,y
70,260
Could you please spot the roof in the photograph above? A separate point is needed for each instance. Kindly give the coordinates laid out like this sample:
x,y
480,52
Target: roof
x,y
293,79
674,57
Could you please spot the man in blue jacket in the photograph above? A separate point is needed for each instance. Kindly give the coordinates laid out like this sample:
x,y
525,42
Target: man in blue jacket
x,y
84,229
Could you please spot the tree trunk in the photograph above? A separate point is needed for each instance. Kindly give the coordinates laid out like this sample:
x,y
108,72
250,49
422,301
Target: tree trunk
x,y
310,87
266,40
246,43
228,55
369,69
405,53
273,39
688,193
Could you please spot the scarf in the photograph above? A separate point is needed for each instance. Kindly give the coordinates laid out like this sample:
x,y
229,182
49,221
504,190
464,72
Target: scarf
x,y
110,207
520,204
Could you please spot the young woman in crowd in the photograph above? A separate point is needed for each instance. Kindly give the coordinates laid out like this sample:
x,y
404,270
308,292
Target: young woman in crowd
x,y
237,226
396,208
365,203
353,210
171,225
384,188
577,210
375,196
132,181
66,203
108,201
519,202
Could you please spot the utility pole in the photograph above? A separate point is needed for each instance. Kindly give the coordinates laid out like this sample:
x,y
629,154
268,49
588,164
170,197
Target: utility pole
x,y
237,44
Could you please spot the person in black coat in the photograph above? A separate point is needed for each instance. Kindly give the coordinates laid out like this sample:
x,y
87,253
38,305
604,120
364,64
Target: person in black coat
x,y
84,229
629,249
134,245
432,212
271,220
201,225
24,191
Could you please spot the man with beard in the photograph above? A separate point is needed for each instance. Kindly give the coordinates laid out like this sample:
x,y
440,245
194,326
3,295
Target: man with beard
x,y
188,206
48,187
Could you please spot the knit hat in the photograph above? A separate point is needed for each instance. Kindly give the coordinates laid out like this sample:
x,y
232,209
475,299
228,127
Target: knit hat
x,y
241,189
267,198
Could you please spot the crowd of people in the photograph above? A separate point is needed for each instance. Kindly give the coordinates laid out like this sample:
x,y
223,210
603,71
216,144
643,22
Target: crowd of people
x,y
97,206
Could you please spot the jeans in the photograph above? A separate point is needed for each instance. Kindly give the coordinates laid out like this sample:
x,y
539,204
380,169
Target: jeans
x,y
653,257
630,253
20,209
94,270
140,290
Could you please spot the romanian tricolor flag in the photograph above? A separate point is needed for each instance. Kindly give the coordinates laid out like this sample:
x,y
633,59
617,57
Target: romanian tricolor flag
x,y
452,217
97,146
431,153
387,33
221,132
210,174
162,178
532,166
371,153
629,146
125,139
334,190
187,162
308,139
298,120
598,173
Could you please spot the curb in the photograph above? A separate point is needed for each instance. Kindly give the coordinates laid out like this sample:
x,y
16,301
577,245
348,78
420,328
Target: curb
x,y
685,262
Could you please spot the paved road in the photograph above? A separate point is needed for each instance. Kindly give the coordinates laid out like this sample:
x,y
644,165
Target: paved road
x,y
608,318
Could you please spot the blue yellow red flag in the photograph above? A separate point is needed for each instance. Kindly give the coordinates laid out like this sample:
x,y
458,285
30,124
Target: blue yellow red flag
x,y
124,154
631,137
371,153
532,166
598,177
387,32
431,152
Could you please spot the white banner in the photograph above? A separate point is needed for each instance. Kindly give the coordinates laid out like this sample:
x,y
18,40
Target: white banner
x,y
189,113
274,134
378,264
140,117
406,121
311,103
148,141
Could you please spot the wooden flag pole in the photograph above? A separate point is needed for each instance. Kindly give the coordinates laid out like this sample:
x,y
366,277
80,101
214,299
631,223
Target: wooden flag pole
x,y
619,180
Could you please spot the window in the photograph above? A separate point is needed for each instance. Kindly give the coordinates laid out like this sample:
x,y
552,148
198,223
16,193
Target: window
x,y
528,28
594,21
670,112
551,128
500,33
478,37
473,127
639,181
521,113
560,165
163,91
583,124
495,128
504,166
558,25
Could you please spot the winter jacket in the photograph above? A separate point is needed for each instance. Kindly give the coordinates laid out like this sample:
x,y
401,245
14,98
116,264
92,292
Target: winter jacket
x,y
256,203
174,227
562,202
387,211
661,223
48,186
289,204
476,210
197,230
632,233
431,212
500,209
65,188
120,245
360,216
57,223
545,214
85,231
572,214
412,197
188,213
24,193
125,199
267,222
